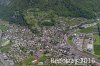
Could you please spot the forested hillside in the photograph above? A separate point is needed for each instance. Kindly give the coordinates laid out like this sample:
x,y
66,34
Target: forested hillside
x,y
73,8
38,13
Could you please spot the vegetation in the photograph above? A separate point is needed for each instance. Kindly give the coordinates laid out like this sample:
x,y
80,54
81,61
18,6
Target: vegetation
x,y
77,8
27,62
87,30
70,40
3,25
98,26
97,49
97,40
6,46
34,12
97,45
67,7
49,65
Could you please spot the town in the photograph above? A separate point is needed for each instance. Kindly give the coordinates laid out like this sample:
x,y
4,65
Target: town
x,y
19,43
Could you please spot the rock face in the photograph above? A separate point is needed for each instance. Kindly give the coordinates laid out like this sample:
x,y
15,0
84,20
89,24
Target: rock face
x,y
4,2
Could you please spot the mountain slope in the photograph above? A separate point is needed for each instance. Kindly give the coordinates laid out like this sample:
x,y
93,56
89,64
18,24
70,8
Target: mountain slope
x,y
73,8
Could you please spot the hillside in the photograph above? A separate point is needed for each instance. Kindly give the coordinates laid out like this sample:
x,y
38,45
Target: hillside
x,y
73,8
37,13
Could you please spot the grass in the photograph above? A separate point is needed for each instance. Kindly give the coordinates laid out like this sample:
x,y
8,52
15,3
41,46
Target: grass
x,y
6,47
97,45
97,40
97,52
43,58
70,40
27,62
3,27
97,49
86,30
99,58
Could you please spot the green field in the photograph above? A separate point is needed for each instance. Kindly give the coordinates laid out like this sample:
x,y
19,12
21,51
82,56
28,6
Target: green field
x,y
97,49
97,40
86,30
97,45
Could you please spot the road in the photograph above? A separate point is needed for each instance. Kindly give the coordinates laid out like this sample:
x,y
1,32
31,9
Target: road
x,y
81,52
